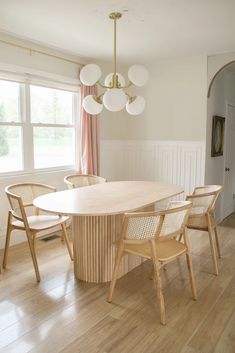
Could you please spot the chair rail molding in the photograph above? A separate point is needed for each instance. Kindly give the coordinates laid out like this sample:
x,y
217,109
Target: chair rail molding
x,y
174,162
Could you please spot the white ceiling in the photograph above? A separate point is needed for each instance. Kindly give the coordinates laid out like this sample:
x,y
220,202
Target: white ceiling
x,y
149,28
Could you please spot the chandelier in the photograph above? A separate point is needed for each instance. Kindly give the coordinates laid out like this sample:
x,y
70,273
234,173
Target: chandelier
x,y
114,98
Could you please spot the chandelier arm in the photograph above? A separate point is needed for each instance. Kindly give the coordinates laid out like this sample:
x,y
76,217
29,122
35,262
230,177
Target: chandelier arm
x,y
120,87
98,98
104,86
130,98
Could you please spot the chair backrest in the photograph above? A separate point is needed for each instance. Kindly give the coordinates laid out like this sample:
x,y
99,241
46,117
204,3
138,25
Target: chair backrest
x,y
160,225
207,196
22,195
80,180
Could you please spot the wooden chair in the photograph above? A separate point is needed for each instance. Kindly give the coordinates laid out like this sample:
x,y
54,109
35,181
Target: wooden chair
x,y
152,235
80,180
202,215
21,198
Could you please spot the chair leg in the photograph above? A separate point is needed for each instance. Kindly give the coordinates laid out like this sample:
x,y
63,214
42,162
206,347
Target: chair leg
x,y
65,237
191,276
62,237
180,237
213,253
7,242
33,239
217,242
158,282
160,295
33,254
115,273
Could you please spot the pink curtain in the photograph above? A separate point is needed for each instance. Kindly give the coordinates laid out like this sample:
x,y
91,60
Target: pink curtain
x,y
88,160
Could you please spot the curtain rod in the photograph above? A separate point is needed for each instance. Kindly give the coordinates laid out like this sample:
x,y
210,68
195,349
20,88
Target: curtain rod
x,y
31,51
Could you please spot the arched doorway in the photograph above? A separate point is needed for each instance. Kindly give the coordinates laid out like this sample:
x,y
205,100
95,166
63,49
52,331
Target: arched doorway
x,y
221,169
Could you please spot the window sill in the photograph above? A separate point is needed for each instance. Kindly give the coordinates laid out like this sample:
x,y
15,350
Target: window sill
x,y
37,172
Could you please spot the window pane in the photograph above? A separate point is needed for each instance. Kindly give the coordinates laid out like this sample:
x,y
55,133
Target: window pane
x,y
9,101
51,106
53,147
10,148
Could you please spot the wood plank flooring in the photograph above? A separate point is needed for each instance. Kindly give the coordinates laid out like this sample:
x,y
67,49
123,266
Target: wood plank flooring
x,y
62,314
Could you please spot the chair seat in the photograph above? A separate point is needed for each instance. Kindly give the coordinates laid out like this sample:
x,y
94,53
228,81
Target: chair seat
x,y
41,222
166,249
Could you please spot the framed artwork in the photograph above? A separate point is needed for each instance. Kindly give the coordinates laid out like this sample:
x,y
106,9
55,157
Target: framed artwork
x,y
217,143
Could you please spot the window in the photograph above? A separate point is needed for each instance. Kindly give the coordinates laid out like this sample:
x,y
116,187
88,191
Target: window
x,y
10,127
37,127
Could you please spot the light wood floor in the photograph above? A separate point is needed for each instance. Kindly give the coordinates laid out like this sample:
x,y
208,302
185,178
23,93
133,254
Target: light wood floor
x,y
63,315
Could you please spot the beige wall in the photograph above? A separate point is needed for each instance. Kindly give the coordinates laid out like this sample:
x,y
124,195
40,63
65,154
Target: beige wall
x,y
175,94
216,62
15,56
175,104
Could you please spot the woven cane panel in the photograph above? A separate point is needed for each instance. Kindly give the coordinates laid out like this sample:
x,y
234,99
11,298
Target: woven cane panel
x,y
40,190
25,192
142,227
16,207
173,222
84,180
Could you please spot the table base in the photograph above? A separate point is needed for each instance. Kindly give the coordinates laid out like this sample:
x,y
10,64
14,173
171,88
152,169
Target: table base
x,y
94,252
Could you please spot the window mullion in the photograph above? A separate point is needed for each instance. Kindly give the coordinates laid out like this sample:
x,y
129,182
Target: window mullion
x,y
27,131
76,121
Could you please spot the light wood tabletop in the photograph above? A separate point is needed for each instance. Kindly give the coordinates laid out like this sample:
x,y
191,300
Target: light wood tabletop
x,y
97,212
107,198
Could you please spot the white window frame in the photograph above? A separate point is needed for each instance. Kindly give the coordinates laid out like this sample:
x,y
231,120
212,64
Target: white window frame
x,y
27,143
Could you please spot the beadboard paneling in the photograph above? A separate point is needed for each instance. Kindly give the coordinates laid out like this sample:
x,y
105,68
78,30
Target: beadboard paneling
x,y
174,162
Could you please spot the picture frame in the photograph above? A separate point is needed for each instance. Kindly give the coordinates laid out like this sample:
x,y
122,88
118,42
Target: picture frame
x,y
217,143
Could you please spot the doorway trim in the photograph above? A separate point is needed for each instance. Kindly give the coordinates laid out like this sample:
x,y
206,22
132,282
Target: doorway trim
x,y
231,104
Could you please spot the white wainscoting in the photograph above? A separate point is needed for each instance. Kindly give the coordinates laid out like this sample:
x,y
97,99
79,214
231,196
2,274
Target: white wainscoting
x,y
175,162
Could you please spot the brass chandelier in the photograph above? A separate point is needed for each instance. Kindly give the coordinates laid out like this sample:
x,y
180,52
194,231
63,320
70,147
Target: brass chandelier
x,y
114,98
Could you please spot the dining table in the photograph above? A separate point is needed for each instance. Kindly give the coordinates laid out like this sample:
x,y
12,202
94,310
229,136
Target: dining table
x,y
97,213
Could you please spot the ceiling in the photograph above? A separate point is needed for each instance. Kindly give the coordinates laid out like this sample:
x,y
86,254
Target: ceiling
x,y
149,29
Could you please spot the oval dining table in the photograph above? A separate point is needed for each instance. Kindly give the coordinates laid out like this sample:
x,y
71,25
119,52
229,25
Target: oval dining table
x,y
97,213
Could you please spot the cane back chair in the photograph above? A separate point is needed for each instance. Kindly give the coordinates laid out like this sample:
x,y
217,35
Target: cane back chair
x,y
80,180
21,198
202,215
152,235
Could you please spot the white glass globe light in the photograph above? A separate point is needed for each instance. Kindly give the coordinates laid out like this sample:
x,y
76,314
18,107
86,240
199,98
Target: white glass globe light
x,y
114,99
90,74
138,75
136,107
91,106
109,79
